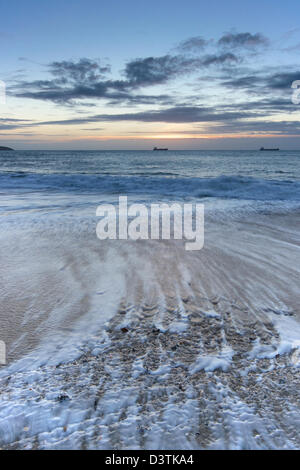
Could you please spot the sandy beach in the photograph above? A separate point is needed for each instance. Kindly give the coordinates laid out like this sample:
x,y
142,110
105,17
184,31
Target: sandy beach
x,y
178,350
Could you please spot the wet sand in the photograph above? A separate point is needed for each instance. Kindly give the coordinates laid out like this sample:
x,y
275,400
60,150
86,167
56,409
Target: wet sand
x,y
144,345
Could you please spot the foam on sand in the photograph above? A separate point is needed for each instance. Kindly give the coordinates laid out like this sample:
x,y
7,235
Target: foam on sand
x,y
143,345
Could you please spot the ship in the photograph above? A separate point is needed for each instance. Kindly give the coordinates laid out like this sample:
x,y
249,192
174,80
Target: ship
x,y
156,148
262,149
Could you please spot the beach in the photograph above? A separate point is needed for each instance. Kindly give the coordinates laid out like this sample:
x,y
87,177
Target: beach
x,y
122,344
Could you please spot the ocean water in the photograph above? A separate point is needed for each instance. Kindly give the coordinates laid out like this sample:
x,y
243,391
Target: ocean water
x,y
123,344
175,174
44,184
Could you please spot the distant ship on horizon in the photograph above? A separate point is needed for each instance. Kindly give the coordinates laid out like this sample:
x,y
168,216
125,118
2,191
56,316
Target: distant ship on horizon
x,y
157,148
262,149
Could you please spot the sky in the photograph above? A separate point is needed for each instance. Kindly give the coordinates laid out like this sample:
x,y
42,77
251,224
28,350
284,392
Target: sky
x,y
132,75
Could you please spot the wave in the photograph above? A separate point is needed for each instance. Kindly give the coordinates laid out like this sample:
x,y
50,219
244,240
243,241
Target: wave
x,y
239,187
225,187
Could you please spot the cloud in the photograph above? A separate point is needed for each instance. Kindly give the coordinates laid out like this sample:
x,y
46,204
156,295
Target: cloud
x,y
254,128
159,70
219,122
243,40
70,80
13,120
86,78
240,118
227,58
194,44
83,71
283,80
109,90
83,81
246,81
258,127
270,105
11,123
136,99
266,84
176,114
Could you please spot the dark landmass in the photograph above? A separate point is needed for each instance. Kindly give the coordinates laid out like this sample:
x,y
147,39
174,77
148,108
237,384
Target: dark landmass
x,y
5,148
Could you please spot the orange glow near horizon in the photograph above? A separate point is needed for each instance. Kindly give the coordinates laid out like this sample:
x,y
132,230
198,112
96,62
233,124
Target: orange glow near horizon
x,y
137,137
177,137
